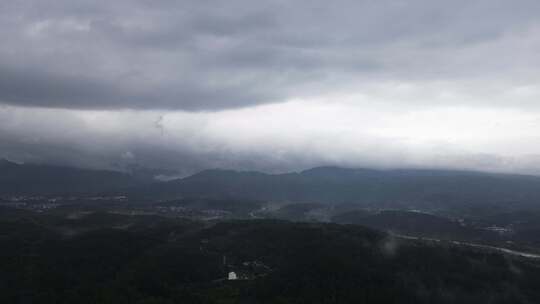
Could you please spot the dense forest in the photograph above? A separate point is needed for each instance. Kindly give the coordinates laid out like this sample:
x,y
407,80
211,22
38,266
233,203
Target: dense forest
x,y
105,258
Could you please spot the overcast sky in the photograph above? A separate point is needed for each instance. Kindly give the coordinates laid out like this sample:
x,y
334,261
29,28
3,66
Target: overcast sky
x,y
271,85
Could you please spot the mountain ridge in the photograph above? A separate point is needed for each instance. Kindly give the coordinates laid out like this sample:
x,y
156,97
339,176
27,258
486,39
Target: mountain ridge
x,y
403,188
38,179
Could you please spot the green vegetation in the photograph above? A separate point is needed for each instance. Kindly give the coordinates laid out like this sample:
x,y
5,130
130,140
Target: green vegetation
x,y
160,260
455,193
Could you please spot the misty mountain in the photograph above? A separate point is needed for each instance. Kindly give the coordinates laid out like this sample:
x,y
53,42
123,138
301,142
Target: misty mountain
x,y
426,189
35,179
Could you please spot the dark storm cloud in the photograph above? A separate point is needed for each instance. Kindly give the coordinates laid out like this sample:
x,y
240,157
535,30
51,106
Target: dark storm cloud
x,y
205,55
34,87
271,85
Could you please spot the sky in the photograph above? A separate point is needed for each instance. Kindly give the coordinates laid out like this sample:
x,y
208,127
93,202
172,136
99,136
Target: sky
x,y
271,85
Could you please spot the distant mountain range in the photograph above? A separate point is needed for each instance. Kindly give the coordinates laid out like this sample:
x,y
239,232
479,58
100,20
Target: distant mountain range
x,y
34,179
424,189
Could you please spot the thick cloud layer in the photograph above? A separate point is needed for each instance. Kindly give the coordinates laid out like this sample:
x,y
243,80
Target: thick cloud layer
x,y
273,85
207,55
276,138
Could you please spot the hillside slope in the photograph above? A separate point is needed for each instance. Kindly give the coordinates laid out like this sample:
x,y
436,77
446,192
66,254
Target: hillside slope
x,y
33,179
426,189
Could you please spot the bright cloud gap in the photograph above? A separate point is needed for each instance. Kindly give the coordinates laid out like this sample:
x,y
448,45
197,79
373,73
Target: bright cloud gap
x,y
275,138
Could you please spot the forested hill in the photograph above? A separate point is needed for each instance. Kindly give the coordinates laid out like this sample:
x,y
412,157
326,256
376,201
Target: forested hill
x,y
159,260
35,179
422,189
338,185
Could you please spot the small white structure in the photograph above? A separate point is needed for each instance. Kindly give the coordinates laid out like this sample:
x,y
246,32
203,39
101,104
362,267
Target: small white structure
x,y
232,276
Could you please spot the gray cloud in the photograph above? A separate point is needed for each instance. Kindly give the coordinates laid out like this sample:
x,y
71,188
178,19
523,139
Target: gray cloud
x,y
274,85
307,134
201,55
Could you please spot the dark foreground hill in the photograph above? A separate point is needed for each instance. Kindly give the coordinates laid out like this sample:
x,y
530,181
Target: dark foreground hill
x,y
160,260
34,179
424,189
